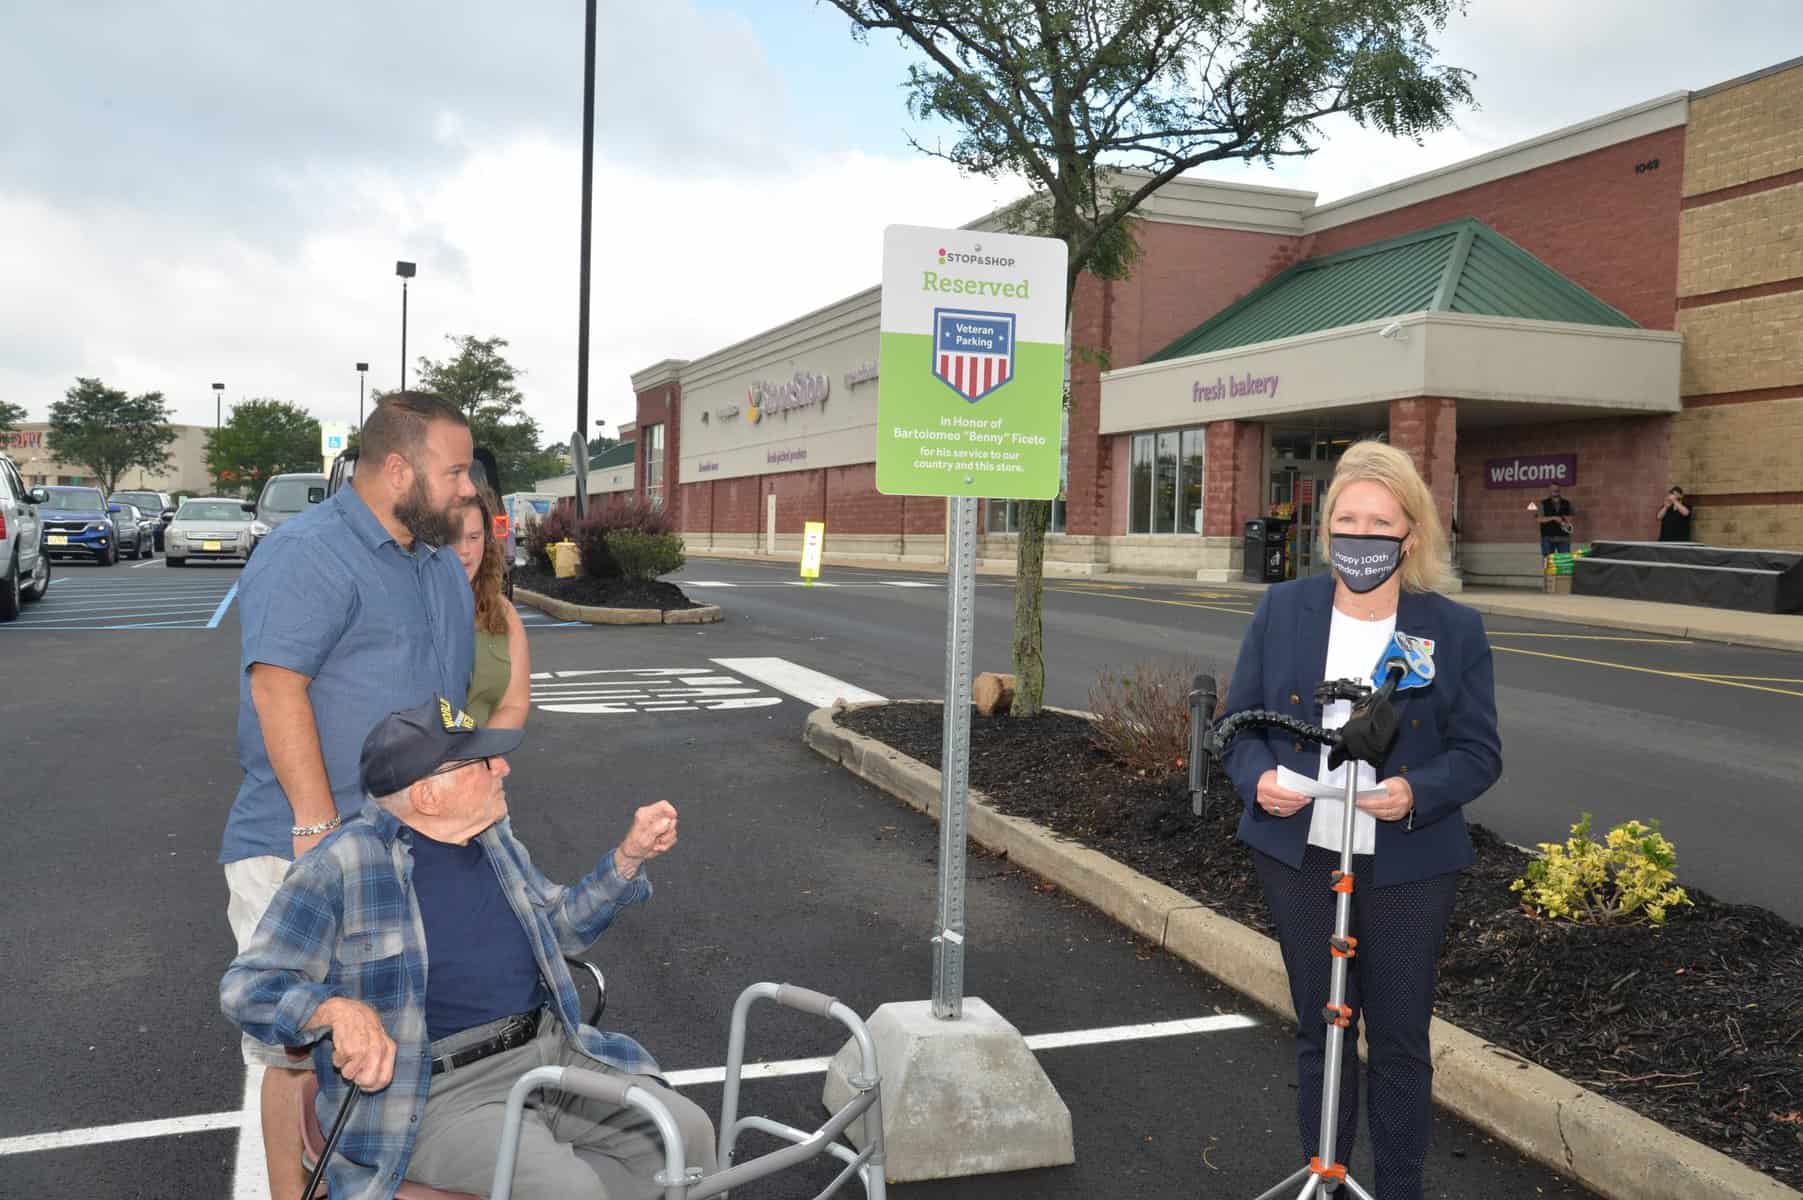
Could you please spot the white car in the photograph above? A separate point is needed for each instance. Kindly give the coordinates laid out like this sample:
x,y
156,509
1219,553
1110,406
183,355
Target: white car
x,y
210,529
24,567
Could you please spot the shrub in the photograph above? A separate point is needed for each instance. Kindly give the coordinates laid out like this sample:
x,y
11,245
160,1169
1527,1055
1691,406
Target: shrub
x,y
594,536
549,529
1142,716
1629,876
645,556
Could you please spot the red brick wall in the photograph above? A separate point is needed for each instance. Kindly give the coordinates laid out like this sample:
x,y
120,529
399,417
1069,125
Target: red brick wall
x,y
1085,510
1428,428
1235,478
1623,469
1186,274
1591,218
661,405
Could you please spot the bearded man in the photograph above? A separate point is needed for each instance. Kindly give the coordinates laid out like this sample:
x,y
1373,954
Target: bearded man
x,y
351,611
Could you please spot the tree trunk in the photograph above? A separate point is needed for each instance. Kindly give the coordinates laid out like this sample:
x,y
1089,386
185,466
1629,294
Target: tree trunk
x,y
1029,628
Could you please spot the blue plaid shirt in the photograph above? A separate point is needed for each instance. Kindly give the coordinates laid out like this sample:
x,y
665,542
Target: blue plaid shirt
x,y
346,923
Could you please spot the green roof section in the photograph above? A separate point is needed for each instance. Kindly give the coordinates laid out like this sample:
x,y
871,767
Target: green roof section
x,y
613,456
1463,266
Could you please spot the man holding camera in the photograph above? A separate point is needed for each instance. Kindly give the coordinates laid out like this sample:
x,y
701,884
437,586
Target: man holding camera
x,y
1555,523
1674,516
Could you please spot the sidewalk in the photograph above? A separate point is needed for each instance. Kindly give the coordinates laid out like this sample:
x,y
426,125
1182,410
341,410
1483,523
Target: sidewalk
x,y
1772,631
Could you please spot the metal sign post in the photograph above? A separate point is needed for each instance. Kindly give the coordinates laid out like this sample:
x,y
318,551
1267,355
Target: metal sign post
x,y
954,774
579,460
970,405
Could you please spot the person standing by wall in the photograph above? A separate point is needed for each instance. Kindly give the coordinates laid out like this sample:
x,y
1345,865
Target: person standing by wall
x,y
1674,516
350,611
1555,523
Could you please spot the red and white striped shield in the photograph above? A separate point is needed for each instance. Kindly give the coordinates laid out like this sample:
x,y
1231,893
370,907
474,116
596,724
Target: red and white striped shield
x,y
973,352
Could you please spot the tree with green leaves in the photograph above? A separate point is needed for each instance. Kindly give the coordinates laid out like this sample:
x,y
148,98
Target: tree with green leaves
x,y
1097,104
11,416
262,437
480,381
108,432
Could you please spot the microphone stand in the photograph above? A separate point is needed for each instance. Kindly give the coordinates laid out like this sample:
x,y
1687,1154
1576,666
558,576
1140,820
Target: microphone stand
x,y
1365,737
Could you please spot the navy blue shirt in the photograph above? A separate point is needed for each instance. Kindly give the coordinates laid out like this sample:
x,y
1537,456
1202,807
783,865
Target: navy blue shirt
x,y
479,964
331,595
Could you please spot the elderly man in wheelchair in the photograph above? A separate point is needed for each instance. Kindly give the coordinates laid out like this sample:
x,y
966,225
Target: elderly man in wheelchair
x,y
430,872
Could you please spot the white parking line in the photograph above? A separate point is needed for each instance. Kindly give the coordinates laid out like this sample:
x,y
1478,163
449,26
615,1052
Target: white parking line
x,y
140,566
914,583
812,687
706,583
251,1181
223,605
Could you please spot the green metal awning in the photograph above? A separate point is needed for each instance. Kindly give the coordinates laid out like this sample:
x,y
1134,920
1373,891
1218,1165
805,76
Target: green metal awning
x,y
1463,266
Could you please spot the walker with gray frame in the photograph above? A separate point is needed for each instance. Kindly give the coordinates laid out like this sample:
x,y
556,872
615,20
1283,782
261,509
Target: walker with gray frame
x,y
678,1180
1365,737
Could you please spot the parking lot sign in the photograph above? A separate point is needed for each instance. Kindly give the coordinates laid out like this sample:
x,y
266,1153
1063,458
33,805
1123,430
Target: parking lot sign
x,y
970,391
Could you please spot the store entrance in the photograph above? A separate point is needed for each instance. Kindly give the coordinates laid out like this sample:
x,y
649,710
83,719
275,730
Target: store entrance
x,y
1302,464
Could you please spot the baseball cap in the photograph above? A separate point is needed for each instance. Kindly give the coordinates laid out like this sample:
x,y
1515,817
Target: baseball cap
x,y
409,745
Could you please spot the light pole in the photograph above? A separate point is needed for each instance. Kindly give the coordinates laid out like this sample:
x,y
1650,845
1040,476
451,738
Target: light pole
x,y
406,271
218,403
362,370
588,185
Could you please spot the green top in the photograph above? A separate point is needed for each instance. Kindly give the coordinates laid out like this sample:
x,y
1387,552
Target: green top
x,y
489,679
1463,266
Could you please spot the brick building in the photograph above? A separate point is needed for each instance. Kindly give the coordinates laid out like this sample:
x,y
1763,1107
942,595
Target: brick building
x,y
1616,305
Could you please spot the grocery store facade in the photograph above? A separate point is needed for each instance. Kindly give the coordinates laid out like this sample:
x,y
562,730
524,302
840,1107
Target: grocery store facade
x,y
1614,307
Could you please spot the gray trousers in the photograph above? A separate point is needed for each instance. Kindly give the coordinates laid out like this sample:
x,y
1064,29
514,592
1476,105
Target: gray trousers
x,y
571,1147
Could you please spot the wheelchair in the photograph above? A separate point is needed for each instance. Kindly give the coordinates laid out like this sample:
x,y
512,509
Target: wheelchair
x,y
678,1180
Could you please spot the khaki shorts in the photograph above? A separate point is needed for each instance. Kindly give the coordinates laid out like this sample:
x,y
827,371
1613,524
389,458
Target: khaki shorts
x,y
252,884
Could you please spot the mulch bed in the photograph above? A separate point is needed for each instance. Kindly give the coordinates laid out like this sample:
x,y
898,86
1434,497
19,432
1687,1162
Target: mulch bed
x,y
1697,1025
603,593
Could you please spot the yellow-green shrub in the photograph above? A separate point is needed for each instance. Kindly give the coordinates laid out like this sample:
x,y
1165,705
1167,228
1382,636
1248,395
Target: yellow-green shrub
x,y
1629,876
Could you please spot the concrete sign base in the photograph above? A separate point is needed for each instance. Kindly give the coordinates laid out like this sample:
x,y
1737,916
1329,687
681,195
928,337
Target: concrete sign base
x,y
962,1097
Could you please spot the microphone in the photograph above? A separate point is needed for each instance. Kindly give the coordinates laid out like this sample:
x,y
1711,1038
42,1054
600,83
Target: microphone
x,y
1202,701
1407,662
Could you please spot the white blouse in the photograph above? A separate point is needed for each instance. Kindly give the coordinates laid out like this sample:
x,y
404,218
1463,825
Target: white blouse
x,y
1353,647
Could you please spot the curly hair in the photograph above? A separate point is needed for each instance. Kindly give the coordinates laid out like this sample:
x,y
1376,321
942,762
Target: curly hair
x,y
491,606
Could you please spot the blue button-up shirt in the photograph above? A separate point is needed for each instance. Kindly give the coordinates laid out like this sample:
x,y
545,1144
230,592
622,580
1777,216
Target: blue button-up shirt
x,y
331,595
346,922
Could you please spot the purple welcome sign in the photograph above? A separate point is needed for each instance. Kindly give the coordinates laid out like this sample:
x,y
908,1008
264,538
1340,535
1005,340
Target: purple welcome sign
x,y
1531,471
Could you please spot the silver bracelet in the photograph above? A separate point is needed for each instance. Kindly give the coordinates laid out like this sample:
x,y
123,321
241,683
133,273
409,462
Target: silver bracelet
x,y
314,830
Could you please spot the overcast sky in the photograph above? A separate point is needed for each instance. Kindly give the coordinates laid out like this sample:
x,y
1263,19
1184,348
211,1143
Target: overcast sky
x,y
209,190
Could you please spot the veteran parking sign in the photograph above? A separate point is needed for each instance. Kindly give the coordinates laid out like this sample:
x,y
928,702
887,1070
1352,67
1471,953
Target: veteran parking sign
x,y
970,392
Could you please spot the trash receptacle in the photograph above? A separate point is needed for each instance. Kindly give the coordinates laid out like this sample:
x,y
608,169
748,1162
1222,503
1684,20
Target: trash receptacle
x,y
1267,550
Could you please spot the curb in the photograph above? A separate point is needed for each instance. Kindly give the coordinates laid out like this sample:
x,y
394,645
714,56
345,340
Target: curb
x,y
563,610
1601,1144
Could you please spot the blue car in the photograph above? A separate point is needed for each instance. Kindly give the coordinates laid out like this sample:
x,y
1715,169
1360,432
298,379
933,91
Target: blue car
x,y
77,524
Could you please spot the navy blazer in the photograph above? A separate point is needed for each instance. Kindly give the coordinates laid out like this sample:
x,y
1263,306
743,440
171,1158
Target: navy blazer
x,y
1447,747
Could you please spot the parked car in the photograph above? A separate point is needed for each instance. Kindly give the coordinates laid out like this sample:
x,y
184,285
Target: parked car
x,y
286,496
210,529
24,567
133,530
159,505
77,524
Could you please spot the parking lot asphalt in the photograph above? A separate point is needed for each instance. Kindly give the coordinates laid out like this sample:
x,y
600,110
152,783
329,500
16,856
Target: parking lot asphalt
x,y
112,922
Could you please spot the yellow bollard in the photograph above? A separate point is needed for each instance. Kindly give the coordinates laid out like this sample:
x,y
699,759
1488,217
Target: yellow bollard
x,y
566,559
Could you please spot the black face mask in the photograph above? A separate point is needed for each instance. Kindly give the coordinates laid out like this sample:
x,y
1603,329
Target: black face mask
x,y
1364,561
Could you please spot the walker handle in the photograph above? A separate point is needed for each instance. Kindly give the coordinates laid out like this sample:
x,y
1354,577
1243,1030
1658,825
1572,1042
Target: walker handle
x,y
805,1000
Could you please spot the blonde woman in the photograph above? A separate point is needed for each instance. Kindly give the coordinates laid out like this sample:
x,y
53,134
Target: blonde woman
x,y
1383,536
500,689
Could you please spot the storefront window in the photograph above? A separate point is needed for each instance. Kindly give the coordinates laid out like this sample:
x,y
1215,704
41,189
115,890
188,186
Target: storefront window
x,y
1004,516
654,465
1164,479
1189,501
1139,484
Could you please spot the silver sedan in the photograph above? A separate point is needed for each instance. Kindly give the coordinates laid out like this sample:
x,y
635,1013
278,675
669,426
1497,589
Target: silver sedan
x,y
210,529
